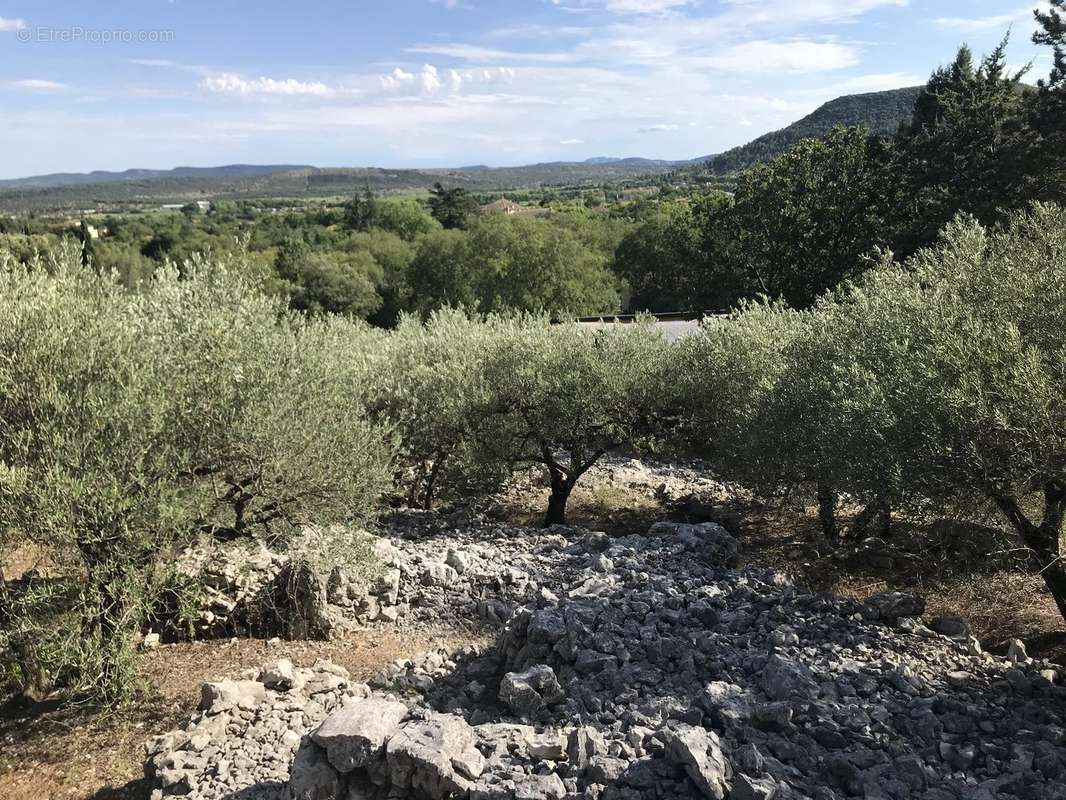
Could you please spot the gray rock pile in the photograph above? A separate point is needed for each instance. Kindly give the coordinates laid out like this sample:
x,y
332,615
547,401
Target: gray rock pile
x,y
242,741
645,666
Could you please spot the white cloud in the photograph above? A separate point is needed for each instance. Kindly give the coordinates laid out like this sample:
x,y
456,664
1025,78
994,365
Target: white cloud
x,y
231,83
972,24
7,25
660,128
430,81
874,82
798,57
623,6
571,141
468,52
828,11
37,85
1020,14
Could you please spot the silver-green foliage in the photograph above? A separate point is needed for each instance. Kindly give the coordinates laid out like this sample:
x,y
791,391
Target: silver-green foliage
x,y
472,399
134,422
943,379
938,381
565,395
432,389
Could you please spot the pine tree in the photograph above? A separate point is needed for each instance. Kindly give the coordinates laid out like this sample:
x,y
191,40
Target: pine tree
x,y
1049,115
967,149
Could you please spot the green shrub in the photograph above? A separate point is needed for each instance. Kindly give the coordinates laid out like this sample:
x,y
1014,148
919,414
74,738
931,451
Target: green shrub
x,y
725,379
138,421
942,379
431,389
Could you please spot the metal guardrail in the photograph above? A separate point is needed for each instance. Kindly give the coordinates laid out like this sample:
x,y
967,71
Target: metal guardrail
x,y
666,316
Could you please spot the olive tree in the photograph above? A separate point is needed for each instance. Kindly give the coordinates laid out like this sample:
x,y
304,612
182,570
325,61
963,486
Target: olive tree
x,y
943,378
136,422
733,379
430,387
565,395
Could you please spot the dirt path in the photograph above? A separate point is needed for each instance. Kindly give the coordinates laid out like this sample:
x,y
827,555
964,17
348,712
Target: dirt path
x,y
78,754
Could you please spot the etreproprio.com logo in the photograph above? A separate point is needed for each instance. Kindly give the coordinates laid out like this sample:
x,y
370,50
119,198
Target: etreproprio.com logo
x,y
77,34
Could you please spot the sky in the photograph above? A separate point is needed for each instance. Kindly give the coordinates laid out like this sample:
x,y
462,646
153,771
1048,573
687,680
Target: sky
x,y
417,83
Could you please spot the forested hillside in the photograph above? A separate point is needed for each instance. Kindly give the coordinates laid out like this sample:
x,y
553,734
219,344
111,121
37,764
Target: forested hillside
x,y
880,112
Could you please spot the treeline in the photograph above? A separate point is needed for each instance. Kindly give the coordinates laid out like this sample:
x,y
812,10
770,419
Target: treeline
x,y
980,141
371,258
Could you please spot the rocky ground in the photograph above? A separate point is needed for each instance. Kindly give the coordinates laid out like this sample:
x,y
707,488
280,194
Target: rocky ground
x,y
636,666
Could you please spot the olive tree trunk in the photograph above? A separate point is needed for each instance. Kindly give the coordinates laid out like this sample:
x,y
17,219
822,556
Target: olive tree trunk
x,y
561,487
827,510
1044,539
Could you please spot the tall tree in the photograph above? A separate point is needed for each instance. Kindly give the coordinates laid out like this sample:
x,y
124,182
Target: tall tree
x,y
451,207
803,222
1049,118
361,212
966,149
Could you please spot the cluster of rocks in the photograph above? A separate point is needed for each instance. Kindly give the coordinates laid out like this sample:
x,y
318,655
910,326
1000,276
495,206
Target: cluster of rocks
x,y
464,563
643,666
242,740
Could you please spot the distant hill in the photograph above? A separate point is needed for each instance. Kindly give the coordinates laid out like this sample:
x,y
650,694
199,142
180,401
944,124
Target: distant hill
x,y
881,112
99,177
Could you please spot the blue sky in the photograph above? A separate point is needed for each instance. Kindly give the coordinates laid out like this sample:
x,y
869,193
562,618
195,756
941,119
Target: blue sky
x,y
162,83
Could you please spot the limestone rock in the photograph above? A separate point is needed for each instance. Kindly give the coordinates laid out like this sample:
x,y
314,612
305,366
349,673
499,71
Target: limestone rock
x,y
700,753
526,693
889,607
356,734
280,676
224,695
424,756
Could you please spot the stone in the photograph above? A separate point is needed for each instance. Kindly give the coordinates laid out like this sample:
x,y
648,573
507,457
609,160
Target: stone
x,y
783,678
747,788
889,607
548,746
423,755
224,695
709,539
387,586
700,754
584,744
807,698
457,560
952,627
526,693
539,787
439,574
356,734
312,777
150,641
281,676
1016,653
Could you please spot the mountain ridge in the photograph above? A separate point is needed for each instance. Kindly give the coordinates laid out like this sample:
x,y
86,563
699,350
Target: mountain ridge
x,y
882,112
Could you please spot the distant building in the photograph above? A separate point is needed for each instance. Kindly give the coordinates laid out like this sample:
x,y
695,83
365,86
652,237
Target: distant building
x,y
503,206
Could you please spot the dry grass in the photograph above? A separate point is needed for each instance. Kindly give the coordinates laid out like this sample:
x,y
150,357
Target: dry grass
x,y
77,753
603,507
996,595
